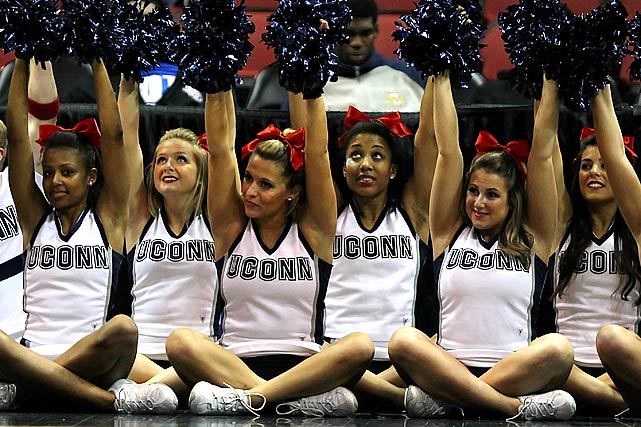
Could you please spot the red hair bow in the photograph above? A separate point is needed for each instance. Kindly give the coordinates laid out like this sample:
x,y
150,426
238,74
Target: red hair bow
x,y
295,141
391,121
202,141
518,150
87,128
628,143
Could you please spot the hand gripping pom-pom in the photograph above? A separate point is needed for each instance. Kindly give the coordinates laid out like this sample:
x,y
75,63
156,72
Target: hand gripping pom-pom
x,y
304,50
214,45
598,45
146,33
32,29
438,36
536,35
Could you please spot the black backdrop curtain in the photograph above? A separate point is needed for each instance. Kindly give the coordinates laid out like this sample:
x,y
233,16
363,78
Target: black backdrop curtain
x,y
505,122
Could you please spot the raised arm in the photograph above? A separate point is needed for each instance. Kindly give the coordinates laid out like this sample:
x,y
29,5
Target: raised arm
x,y
224,200
129,109
416,196
42,91
625,182
112,203
444,215
30,204
318,222
297,110
541,190
548,124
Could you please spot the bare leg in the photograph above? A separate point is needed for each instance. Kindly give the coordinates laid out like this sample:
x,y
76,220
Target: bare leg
x,y
599,392
105,355
379,391
144,369
441,375
550,356
38,376
196,357
620,352
170,377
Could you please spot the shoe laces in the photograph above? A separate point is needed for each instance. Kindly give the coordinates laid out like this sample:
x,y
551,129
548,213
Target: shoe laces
x,y
622,413
539,409
126,403
235,397
307,406
7,393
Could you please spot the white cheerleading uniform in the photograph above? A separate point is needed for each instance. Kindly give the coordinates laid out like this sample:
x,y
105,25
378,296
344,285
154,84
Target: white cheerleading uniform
x,y
12,315
374,280
174,282
487,300
68,282
272,300
592,299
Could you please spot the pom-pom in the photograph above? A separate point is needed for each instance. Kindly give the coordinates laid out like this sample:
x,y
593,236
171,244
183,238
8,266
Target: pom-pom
x,y
92,29
535,34
634,47
304,50
473,9
147,31
439,36
598,46
31,28
214,45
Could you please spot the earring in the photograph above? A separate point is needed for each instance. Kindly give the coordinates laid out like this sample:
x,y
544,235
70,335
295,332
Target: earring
x,y
289,199
392,176
90,183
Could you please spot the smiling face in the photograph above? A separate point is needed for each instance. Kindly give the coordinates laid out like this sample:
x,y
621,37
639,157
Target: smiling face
x,y
66,178
486,202
264,189
593,178
175,168
368,165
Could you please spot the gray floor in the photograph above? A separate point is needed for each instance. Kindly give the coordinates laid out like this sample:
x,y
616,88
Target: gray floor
x,y
183,419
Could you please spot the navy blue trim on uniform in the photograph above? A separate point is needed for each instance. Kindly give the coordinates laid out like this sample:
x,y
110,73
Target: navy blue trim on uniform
x,y
165,221
232,247
341,208
324,271
11,267
282,236
146,228
76,226
379,220
103,234
407,219
306,244
486,245
600,241
38,227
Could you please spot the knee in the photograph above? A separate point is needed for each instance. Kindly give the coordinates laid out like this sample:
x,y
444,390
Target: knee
x,y
403,343
119,331
557,349
611,343
181,345
357,350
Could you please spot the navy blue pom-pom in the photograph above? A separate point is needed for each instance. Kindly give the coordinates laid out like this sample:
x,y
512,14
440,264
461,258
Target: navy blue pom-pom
x,y
214,45
473,9
634,47
598,45
440,36
92,29
146,35
536,35
305,52
31,28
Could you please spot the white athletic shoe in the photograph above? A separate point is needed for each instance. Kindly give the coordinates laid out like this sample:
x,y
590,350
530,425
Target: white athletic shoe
x,y
419,404
7,396
338,402
553,405
132,398
210,399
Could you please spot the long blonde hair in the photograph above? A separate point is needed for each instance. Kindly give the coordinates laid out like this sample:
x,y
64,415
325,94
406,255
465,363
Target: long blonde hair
x,y
198,193
514,237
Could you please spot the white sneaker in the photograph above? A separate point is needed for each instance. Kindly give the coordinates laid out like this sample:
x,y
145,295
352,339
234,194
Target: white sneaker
x,y
419,404
210,399
338,402
132,398
7,396
553,405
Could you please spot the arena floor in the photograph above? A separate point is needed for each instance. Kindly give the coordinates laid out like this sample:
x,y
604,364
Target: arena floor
x,y
184,419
